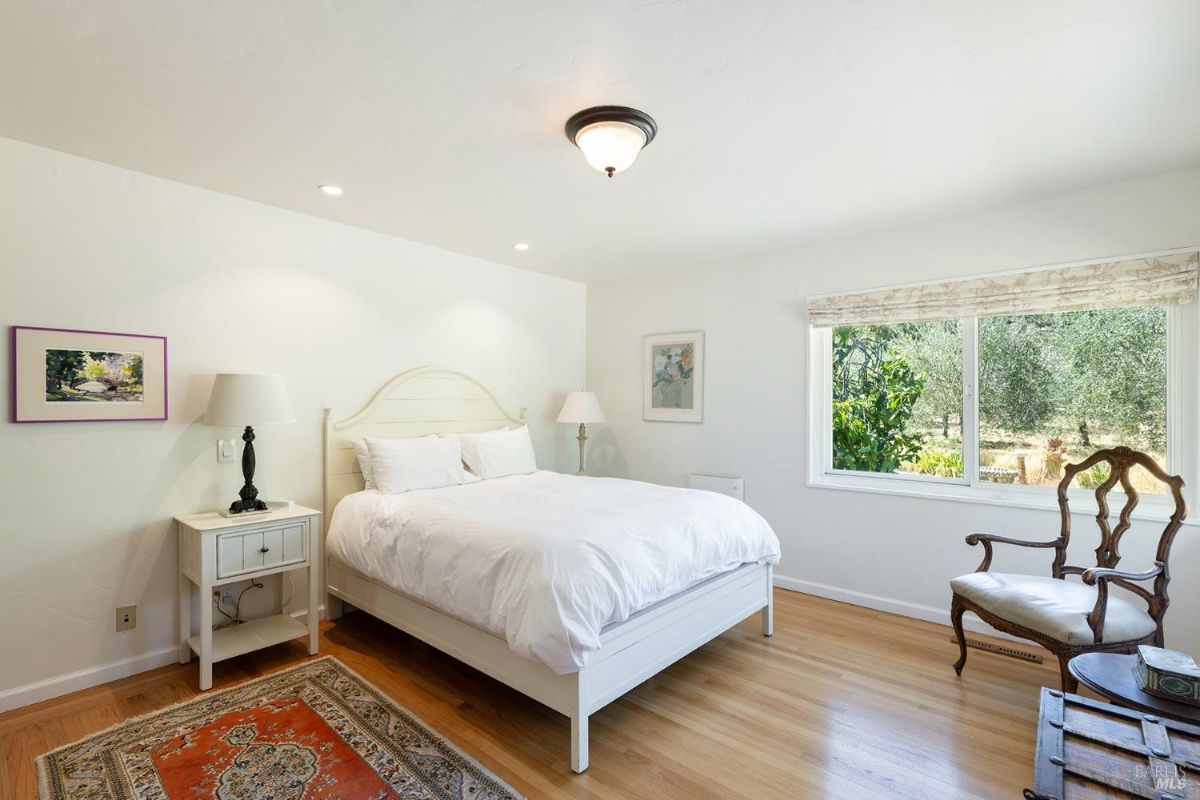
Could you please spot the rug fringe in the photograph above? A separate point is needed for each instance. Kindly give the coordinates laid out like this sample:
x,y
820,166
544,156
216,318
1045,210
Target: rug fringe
x,y
43,772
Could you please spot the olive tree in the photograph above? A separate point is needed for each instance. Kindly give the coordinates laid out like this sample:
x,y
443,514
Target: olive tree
x,y
934,351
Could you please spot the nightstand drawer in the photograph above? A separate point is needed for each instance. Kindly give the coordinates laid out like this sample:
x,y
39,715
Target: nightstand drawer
x,y
260,549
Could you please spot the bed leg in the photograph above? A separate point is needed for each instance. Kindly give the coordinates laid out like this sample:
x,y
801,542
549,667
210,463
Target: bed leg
x,y
579,742
768,612
333,607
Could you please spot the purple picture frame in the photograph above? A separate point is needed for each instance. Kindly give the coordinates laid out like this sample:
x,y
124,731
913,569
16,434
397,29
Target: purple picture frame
x,y
14,331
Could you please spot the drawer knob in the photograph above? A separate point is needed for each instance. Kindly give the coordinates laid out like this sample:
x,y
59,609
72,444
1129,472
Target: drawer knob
x,y
265,550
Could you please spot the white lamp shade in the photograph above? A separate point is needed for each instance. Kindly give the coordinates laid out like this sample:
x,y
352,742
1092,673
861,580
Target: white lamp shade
x,y
611,145
581,407
248,400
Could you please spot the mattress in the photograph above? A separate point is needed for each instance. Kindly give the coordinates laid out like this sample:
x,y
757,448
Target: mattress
x,y
546,561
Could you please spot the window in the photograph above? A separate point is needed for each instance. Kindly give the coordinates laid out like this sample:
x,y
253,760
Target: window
x,y
900,402
1055,387
897,403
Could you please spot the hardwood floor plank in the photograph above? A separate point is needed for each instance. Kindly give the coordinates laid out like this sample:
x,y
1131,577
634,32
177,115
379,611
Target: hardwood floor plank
x,y
841,702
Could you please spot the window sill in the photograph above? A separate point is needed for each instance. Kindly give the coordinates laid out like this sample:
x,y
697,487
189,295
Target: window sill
x,y
1155,509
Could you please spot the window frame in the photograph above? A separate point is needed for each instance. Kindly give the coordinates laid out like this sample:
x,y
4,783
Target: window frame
x,y
1183,408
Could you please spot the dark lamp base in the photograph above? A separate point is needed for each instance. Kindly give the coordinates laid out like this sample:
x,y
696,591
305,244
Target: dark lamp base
x,y
249,495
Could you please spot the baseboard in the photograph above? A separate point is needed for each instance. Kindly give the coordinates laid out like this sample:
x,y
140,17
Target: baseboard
x,y
94,676
59,685
888,604
85,678
302,614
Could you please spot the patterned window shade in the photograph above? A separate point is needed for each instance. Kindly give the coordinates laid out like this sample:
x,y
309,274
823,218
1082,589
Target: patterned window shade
x,y
1164,280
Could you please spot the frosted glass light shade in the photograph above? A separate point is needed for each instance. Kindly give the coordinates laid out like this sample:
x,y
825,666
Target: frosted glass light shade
x,y
610,146
581,407
248,400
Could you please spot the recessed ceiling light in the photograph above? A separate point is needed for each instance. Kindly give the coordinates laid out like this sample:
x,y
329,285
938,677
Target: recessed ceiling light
x,y
331,190
521,246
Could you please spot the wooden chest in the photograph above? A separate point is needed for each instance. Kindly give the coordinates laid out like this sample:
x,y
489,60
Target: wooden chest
x,y
1089,749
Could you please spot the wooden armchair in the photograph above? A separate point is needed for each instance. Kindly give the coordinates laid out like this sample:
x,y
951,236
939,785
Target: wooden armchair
x,y
1069,618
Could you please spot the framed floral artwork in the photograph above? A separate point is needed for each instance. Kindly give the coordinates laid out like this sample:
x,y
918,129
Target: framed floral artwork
x,y
63,375
674,377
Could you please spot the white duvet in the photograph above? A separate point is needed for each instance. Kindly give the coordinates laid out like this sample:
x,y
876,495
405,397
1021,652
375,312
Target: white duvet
x,y
547,560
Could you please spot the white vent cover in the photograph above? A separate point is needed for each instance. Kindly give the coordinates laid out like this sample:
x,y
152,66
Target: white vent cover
x,y
734,487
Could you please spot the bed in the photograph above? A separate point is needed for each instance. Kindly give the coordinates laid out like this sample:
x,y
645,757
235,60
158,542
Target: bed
x,y
577,679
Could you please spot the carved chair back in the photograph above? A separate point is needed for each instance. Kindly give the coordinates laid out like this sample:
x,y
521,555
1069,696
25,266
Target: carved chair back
x,y
1120,461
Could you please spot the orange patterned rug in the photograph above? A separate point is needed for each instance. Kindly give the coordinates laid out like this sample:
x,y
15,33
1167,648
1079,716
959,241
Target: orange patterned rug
x,y
317,731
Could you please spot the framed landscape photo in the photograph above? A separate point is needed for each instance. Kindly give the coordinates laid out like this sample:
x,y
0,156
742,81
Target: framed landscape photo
x,y
674,377
61,375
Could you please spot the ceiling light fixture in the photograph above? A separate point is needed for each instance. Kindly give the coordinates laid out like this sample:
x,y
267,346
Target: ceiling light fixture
x,y
611,137
521,246
331,190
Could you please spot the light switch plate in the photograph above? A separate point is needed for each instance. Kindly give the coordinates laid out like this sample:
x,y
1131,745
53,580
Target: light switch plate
x,y
226,450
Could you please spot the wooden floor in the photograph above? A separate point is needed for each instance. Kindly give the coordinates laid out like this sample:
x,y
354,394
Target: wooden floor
x,y
842,702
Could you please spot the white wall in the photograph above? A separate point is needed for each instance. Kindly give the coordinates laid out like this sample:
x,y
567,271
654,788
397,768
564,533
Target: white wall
x,y
889,552
235,286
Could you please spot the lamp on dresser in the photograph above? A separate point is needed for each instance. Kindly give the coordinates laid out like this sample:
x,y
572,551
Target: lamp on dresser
x,y
581,408
248,400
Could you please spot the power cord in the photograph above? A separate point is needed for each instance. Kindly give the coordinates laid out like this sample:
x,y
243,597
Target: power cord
x,y
236,618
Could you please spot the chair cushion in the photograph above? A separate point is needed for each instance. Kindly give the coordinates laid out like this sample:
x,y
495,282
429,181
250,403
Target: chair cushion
x,y
1056,608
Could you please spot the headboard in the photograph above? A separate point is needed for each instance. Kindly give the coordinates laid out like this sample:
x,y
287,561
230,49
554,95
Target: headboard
x,y
417,402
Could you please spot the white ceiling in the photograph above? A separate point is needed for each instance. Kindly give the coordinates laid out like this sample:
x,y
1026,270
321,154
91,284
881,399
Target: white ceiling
x,y
779,120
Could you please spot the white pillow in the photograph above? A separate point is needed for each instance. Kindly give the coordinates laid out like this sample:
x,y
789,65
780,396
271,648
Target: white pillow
x,y
402,465
364,461
496,454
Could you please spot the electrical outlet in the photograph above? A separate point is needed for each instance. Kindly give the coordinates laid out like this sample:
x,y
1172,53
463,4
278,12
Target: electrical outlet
x,y
227,596
126,618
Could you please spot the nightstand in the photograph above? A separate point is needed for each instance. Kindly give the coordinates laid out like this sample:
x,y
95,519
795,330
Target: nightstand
x,y
216,550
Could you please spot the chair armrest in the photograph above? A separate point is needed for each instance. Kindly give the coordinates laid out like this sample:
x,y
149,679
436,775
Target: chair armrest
x,y
986,539
1099,577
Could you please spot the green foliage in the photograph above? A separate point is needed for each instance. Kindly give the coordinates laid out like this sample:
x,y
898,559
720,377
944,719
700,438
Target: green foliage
x,y
1118,361
1017,378
1078,372
1092,477
1092,378
64,369
95,370
938,461
874,391
934,350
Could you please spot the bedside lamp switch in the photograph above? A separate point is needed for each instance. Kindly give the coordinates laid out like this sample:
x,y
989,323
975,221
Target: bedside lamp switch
x,y
226,450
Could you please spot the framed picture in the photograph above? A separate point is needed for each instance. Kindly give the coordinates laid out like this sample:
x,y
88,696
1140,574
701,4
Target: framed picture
x,y
61,375
674,377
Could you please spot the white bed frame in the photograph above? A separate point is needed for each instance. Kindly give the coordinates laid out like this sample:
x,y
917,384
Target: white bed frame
x,y
433,400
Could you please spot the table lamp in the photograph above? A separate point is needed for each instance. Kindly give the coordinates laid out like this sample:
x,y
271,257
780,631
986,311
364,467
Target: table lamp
x,y
582,408
248,400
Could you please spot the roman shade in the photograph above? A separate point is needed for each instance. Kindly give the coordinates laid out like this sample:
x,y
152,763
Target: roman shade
x,y
1163,280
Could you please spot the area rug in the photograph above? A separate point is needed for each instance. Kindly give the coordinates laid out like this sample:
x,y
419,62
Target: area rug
x,y
317,731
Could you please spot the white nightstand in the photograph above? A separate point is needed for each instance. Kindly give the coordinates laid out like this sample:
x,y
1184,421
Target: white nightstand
x,y
216,550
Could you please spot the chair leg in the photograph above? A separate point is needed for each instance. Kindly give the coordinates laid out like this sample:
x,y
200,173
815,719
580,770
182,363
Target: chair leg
x,y
1069,684
957,609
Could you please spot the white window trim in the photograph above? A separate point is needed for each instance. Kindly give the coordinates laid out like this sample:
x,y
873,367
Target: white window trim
x,y
1183,433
